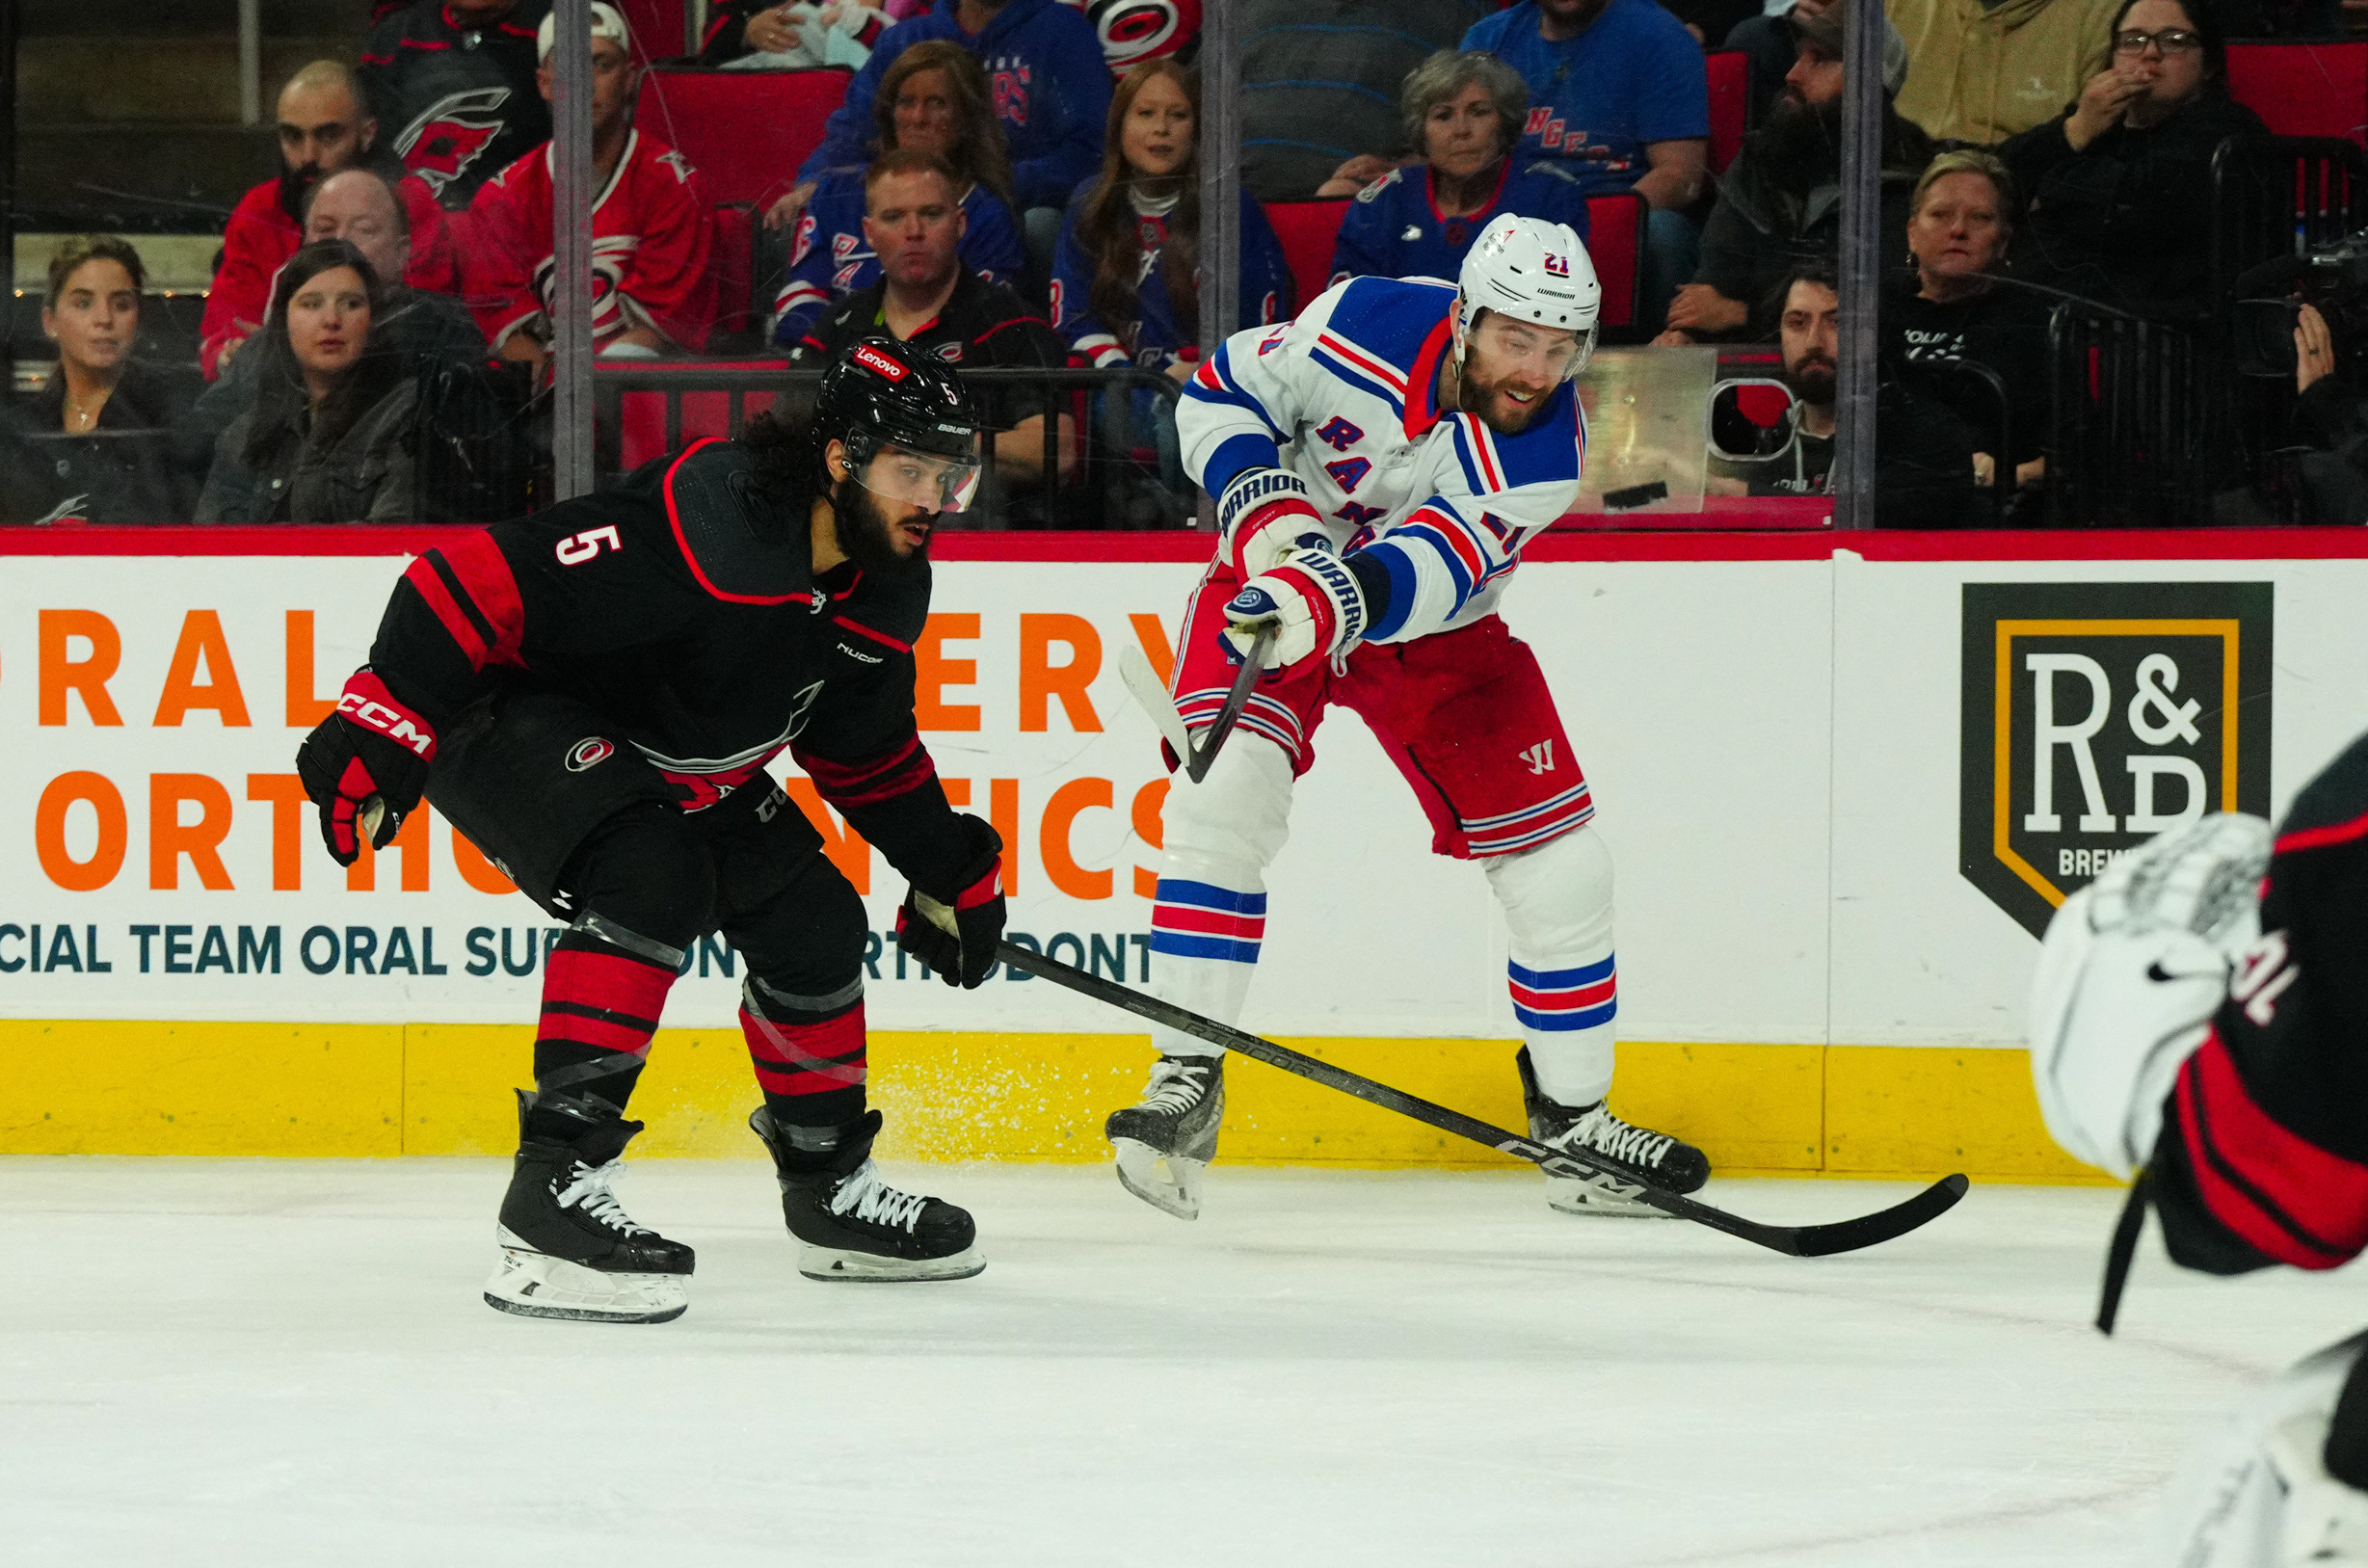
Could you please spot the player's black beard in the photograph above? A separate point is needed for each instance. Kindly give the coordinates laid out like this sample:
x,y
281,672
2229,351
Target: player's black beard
x,y
1478,400
863,532
1813,379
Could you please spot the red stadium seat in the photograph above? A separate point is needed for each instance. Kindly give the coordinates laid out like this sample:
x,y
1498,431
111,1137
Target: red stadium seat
x,y
1615,241
1307,231
1730,105
745,131
657,26
2303,89
733,262
642,416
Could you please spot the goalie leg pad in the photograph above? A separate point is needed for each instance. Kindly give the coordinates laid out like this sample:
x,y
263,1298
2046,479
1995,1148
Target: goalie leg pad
x,y
1557,900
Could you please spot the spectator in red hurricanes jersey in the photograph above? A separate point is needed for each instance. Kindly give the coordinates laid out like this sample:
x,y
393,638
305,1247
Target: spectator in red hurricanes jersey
x,y
323,128
453,85
651,231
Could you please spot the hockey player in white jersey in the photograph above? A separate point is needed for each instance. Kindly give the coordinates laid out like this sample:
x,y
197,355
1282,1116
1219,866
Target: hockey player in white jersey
x,y
1378,463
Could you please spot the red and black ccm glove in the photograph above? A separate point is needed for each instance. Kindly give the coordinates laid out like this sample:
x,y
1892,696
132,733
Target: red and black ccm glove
x,y
964,954
373,749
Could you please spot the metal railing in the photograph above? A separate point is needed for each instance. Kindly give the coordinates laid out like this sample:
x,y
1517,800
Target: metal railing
x,y
1120,476
2138,419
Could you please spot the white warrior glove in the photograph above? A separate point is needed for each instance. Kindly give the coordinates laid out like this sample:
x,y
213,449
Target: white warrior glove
x,y
1313,600
2132,971
1263,513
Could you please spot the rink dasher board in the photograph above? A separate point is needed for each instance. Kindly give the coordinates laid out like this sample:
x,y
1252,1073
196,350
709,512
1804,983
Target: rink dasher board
x,y
1776,746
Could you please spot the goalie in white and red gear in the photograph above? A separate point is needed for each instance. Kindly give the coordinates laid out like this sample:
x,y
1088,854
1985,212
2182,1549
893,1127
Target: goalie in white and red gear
x,y
1378,464
2199,1020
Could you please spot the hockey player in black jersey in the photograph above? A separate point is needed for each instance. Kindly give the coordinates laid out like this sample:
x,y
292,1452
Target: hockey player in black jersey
x,y
2203,1027
592,695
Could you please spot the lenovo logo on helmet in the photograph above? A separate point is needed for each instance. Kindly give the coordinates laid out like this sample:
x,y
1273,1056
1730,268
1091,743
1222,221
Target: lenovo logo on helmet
x,y
873,360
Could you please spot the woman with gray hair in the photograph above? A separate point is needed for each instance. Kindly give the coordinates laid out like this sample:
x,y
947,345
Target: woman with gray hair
x,y
1464,111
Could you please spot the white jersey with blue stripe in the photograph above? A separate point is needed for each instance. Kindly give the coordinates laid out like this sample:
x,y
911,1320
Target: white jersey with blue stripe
x,y
1344,396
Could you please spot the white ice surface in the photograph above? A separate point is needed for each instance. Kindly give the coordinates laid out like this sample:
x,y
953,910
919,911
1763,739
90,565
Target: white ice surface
x,y
262,1361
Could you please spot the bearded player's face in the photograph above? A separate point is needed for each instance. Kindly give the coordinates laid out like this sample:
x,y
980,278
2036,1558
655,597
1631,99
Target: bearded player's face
x,y
1510,370
885,537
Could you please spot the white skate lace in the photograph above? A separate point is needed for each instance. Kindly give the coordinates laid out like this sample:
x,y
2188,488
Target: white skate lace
x,y
591,1189
1175,1086
868,1196
1606,1134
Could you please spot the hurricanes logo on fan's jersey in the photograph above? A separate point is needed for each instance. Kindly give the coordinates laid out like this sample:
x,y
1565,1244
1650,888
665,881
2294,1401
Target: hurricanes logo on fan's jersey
x,y
609,254
1540,757
680,164
450,135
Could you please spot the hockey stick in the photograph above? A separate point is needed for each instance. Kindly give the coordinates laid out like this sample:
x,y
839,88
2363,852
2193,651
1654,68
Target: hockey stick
x,y
1797,1240
1150,695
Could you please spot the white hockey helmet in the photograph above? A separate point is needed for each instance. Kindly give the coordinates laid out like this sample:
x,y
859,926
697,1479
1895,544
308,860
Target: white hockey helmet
x,y
1532,271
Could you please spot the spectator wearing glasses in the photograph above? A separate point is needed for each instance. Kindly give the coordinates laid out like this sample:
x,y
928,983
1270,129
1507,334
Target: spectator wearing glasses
x,y
1954,307
1781,201
935,99
91,443
2116,179
331,437
1463,110
1126,280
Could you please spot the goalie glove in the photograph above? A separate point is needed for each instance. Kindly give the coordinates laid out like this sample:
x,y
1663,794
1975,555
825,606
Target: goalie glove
x,y
1263,513
372,749
2133,969
1310,599
956,936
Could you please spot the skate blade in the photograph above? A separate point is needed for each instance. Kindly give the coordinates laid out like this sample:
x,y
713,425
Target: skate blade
x,y
536,1284
1607,1200
1171,1183
837,1265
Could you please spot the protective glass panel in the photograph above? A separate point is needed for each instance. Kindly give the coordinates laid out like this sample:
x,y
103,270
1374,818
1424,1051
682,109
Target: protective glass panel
x,y
1646,451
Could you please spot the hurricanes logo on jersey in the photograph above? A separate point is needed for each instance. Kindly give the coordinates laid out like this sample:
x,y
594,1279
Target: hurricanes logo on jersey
x,y
450,135
589,752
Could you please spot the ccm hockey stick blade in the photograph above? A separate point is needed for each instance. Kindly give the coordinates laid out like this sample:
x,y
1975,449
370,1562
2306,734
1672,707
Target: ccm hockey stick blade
x,y
1795,1240
1196,765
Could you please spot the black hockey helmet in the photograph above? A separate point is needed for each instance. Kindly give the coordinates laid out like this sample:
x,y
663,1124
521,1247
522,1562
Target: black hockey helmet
x,y
882,393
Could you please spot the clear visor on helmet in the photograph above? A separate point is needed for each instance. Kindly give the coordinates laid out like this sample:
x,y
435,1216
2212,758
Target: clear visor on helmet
x,y
1536,353
932,481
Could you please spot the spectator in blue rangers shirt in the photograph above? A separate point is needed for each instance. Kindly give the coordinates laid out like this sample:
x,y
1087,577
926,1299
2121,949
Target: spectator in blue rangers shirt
x,y
934,99
1463,110
1125,281
1620,94
1050,87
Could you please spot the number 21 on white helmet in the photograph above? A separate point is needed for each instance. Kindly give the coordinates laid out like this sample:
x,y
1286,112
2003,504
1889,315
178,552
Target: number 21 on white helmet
x,y
1533,272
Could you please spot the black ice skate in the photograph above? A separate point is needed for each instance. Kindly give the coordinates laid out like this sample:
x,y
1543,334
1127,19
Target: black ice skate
x,y
567,1248
1166,1140
1593,1130
851,1224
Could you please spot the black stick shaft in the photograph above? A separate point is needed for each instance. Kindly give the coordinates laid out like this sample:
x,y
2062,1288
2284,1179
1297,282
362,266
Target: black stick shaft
x,y
1196,765
1805,1241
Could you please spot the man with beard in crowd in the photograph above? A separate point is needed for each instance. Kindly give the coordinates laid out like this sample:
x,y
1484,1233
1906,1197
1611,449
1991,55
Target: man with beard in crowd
x,y
324,128
592,694
1924,466
1781,201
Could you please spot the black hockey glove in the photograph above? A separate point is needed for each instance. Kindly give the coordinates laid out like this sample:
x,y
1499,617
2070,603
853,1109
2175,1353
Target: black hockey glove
x,y
372,751
956,936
